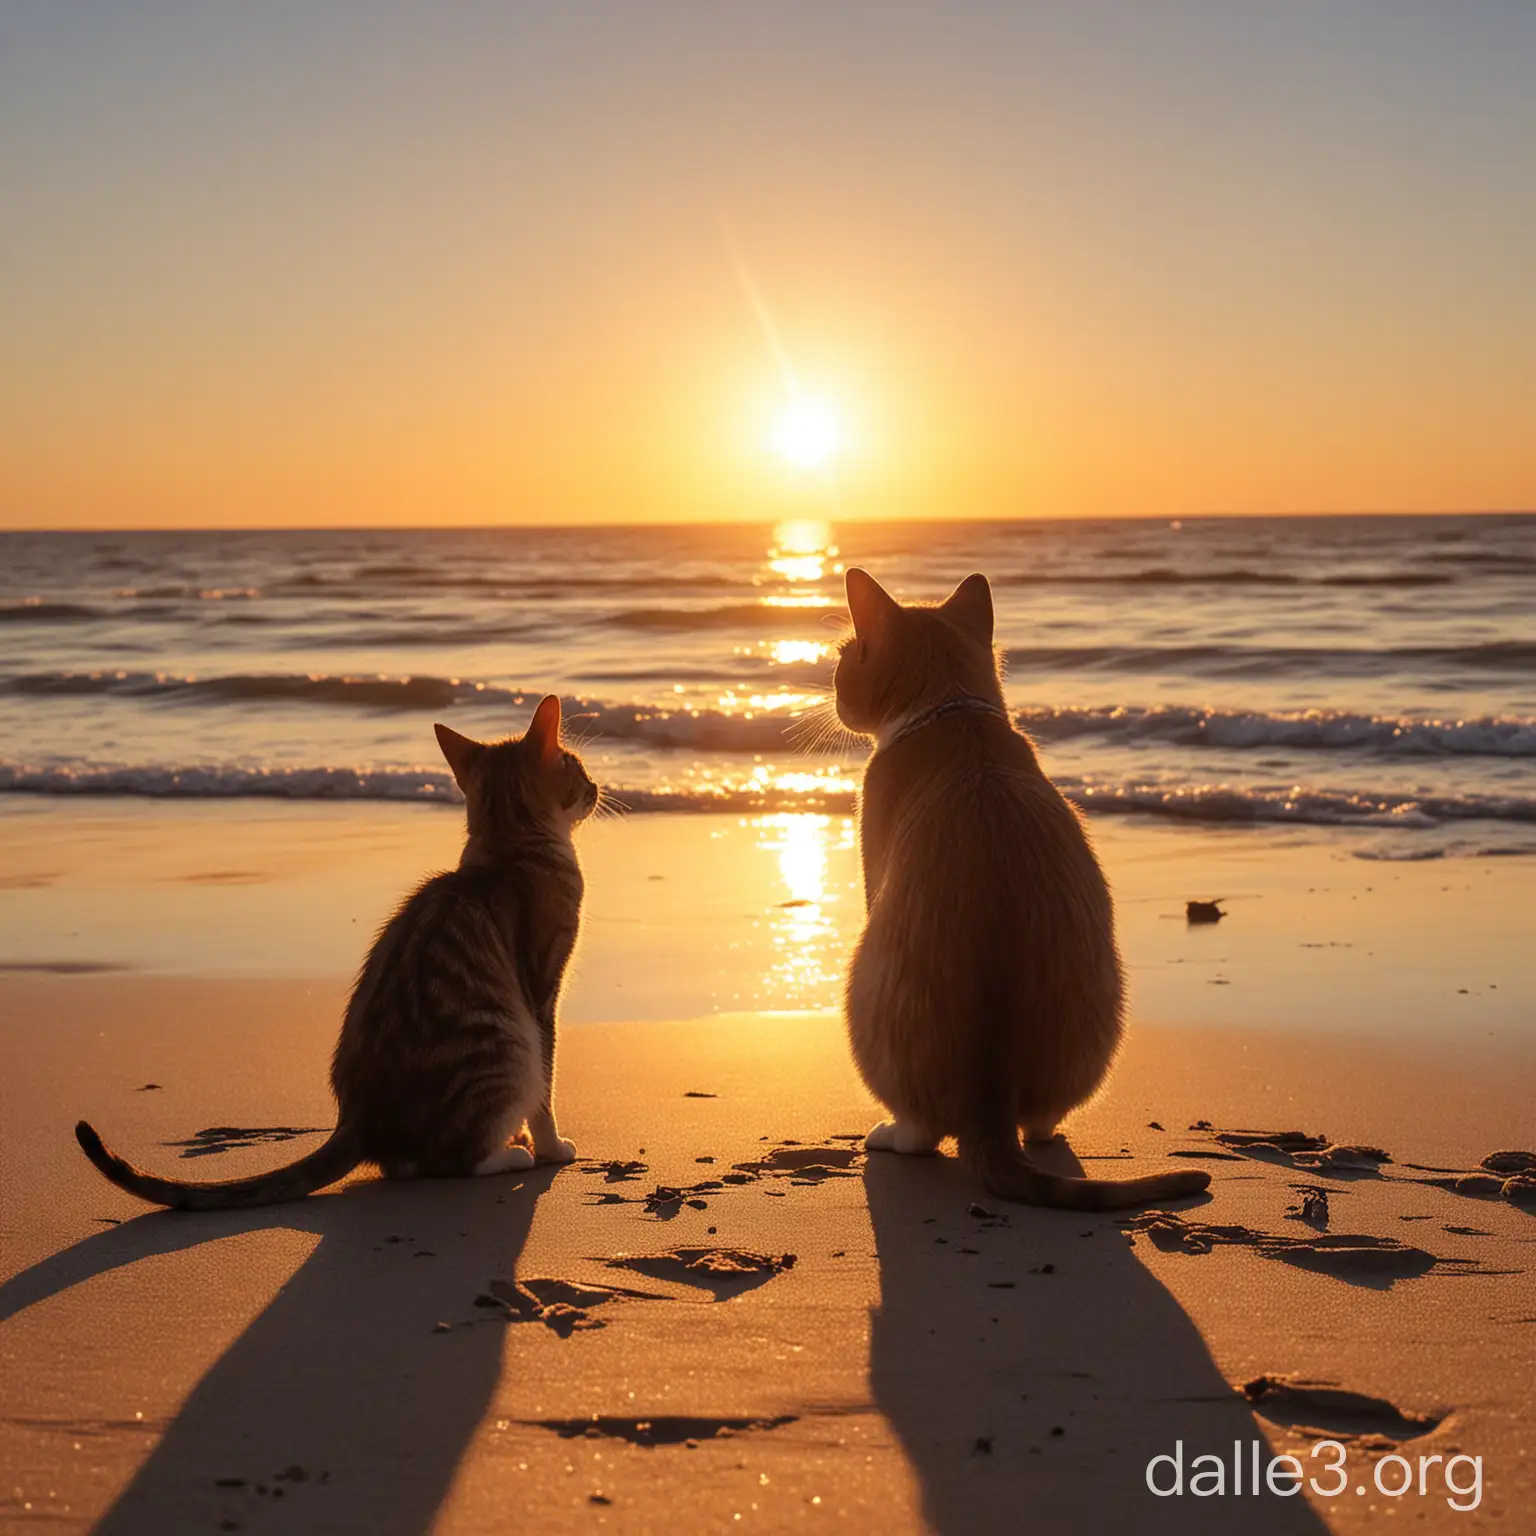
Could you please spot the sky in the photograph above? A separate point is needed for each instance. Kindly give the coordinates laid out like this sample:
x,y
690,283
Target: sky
x,y
385,263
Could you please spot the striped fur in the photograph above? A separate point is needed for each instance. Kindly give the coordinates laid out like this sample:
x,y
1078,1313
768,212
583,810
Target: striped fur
x,y
447,1049
985,993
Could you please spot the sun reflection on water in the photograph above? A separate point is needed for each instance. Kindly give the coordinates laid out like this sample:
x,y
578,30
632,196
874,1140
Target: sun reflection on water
x,y
798,600
786,653
806,935
802,550
765,785
781,699
808,944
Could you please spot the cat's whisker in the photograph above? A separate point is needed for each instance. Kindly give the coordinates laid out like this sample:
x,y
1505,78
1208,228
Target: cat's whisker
x,y
609,806
590,730
819,730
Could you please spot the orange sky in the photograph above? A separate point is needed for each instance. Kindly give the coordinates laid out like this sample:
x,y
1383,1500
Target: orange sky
x,y
391,264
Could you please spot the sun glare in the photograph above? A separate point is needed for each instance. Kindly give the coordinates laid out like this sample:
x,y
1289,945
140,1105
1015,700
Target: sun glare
x,y
807,434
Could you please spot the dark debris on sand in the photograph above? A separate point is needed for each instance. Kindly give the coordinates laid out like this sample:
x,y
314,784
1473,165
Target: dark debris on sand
x,y
791,1161
618,1170
1313,1205
215,1139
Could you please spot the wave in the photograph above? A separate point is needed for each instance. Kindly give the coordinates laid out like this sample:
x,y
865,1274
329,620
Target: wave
x,y
49,613
232,783
1224,804
375,692
415,578
754,730
1309,730
775,616
1493,562
1167,576
419,577
759,729
1316,807
1277,661
192,593
79,613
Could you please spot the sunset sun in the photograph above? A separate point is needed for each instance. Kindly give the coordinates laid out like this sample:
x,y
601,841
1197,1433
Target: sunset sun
x,y
807,434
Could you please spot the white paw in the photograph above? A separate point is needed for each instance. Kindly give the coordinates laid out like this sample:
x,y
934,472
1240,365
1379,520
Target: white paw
x,y
899,1136
557,1151
511,1159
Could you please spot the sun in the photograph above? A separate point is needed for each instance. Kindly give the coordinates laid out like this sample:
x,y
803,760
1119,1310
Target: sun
x,y
807,434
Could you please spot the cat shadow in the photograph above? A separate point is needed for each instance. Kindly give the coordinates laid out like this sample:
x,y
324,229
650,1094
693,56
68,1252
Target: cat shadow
x,y
1032,1366
342,1406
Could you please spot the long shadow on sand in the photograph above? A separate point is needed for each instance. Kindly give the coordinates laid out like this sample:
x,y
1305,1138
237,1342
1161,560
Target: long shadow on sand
x,y
1031,1369
341,1407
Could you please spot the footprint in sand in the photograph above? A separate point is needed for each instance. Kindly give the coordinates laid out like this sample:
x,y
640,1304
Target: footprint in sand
x,y
1298,1149
1318,1408
1355,1257
562,1306
660,1429
1508,1176
806,1165
724,1272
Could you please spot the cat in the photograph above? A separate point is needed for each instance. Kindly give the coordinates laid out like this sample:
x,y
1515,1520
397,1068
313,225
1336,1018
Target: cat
x,y
985,993
448,1043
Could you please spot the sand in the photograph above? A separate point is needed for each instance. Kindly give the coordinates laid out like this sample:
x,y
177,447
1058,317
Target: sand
x,y
726,1316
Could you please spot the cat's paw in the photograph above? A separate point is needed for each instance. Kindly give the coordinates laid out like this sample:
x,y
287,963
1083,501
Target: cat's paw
x,y
558,1150
900,1136
509,1159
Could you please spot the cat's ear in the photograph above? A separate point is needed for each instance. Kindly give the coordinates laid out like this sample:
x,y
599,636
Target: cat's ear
x,y
970,606
544,731
871,605
460,753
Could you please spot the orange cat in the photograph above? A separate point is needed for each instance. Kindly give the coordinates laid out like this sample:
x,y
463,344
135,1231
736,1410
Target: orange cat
x,y
985,993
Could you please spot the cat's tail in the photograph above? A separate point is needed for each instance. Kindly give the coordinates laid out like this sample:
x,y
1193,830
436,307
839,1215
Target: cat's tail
x,y
1001,1163
337,1157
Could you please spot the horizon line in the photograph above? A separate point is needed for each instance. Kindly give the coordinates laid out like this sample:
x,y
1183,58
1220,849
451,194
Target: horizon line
x,y
767,522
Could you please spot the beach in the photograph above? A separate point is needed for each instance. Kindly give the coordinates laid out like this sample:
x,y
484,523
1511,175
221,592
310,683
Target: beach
x,y
726,1315
428,434
219,782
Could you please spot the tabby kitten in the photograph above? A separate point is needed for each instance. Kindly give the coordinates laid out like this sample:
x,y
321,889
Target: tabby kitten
x,y
448,1045
985,992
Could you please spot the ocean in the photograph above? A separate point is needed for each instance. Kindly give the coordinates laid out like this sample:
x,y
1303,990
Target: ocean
x,y
1371,675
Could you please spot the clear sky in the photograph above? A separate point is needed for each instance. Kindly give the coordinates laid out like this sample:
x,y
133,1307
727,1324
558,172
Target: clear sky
x,y
287,263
